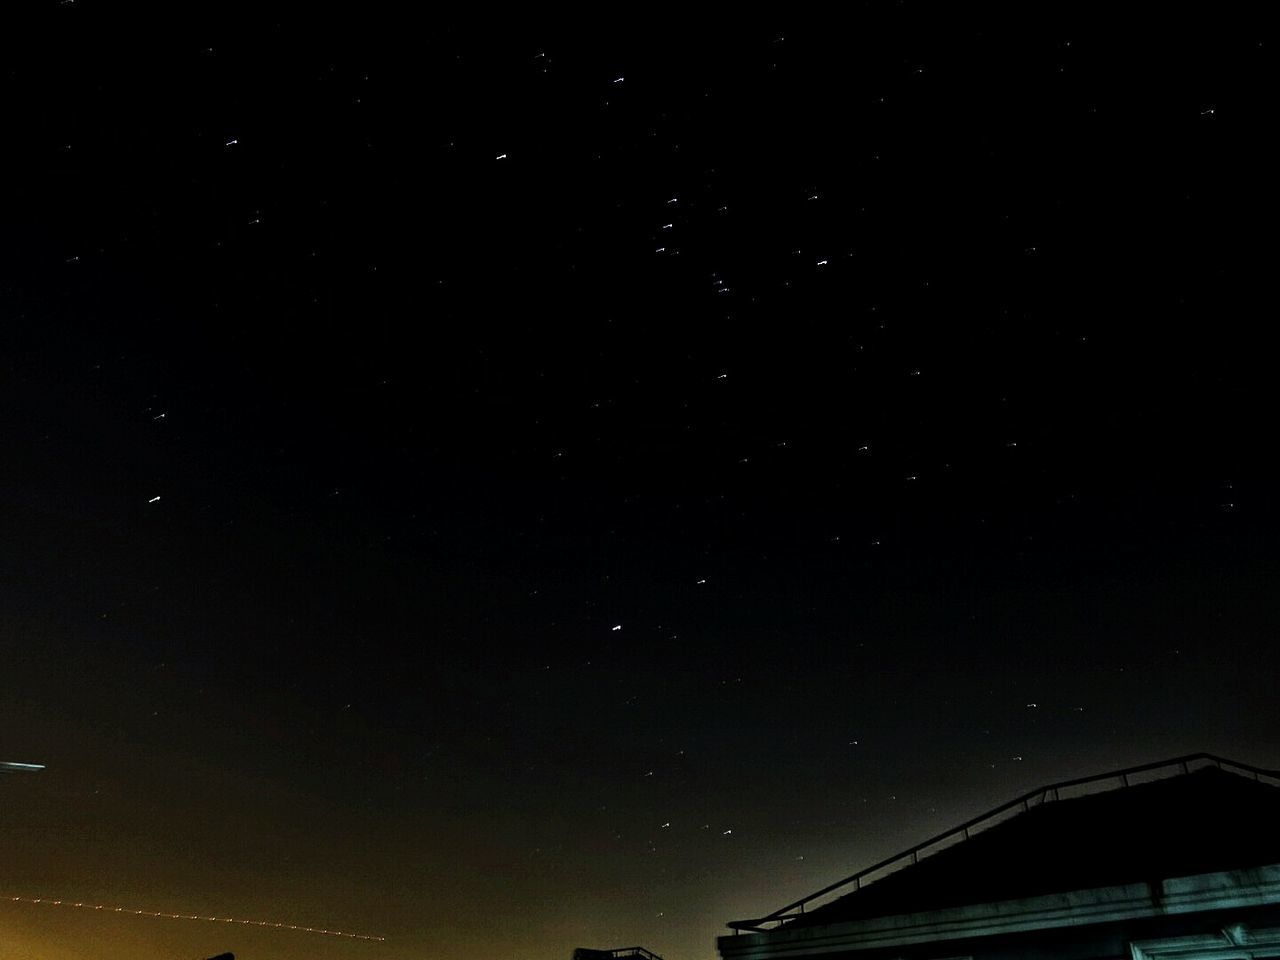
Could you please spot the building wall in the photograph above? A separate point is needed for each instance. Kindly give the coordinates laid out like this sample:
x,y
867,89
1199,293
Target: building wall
x,y
1098,924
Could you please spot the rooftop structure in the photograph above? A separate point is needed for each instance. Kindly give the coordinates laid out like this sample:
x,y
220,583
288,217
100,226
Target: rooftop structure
x,y
1138,853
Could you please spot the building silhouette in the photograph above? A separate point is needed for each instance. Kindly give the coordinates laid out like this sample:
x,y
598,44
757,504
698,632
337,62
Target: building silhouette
x,y
1178,860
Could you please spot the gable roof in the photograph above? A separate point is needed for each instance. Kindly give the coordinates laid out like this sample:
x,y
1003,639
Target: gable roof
x,y
1196,821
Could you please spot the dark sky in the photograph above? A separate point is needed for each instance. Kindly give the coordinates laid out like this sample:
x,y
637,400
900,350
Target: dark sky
x,y
518,485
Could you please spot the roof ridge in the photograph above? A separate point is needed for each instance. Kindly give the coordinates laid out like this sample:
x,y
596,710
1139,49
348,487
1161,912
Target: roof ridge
x,y
1050,794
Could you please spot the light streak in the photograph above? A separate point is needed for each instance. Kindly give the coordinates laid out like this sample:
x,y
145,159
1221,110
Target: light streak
x,y
129,911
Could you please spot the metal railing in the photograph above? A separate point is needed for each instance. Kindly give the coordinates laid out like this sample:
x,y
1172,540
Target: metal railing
x,y
1040,795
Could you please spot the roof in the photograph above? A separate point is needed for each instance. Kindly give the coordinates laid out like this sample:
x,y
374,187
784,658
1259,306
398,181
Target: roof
x,y
1203,820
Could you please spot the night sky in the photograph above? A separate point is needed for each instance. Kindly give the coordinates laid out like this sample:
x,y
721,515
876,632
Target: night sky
x,y
514,485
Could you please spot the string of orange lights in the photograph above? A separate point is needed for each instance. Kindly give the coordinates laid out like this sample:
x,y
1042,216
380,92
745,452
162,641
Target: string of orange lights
x,y
129,911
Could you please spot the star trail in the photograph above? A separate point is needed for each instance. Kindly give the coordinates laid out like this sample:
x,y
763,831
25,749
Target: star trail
x,y
275,925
